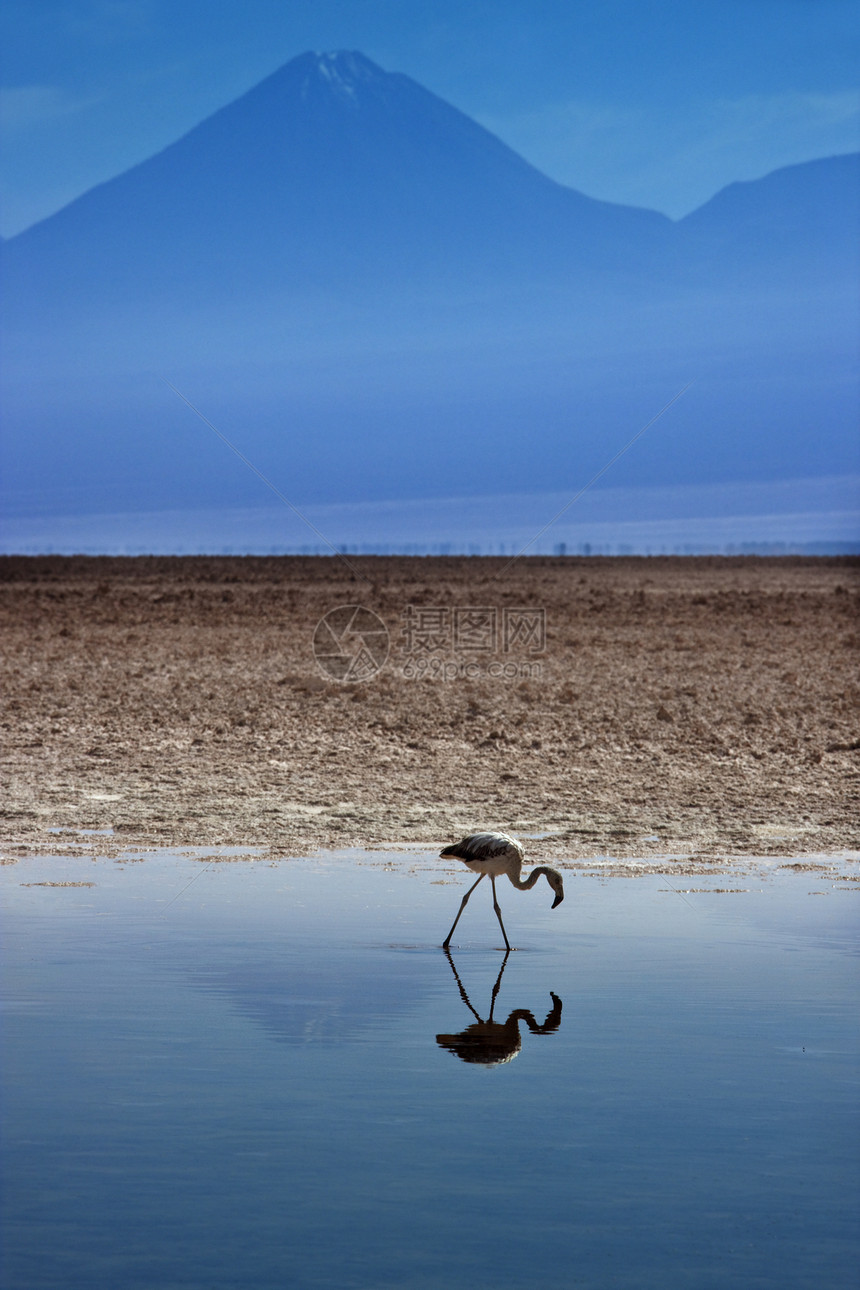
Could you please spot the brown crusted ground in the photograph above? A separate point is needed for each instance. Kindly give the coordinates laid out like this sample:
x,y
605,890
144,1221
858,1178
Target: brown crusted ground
x,y
704,706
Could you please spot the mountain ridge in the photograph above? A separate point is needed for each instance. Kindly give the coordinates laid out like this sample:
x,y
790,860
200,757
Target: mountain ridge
x,y
330,66
388,297
295,177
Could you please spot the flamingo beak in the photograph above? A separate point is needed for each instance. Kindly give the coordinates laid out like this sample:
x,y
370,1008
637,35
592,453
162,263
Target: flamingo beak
x,y
559,897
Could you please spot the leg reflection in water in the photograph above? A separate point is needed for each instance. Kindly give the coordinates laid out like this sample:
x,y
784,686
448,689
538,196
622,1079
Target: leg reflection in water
x,y
490,1042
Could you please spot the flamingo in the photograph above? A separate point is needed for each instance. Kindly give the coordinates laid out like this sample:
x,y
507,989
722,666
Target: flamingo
x,y
493,1043
496,854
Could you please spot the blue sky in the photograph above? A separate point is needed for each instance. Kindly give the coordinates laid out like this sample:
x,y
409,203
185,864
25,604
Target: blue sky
x,y
657,104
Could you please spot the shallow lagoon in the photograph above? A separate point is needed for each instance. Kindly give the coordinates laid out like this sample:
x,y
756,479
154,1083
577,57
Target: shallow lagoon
x,y
266,1075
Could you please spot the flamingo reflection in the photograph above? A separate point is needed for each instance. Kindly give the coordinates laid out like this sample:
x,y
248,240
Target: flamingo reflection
x,y
490,1042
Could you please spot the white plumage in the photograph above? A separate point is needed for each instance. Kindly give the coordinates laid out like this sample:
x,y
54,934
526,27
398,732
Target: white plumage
x,y
495,854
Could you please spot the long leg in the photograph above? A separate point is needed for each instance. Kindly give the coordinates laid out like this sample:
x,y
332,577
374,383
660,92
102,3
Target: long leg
x,y
447,940
495,994
499,915
462,988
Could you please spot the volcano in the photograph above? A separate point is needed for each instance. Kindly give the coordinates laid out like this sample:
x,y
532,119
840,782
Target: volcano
x,y
380,299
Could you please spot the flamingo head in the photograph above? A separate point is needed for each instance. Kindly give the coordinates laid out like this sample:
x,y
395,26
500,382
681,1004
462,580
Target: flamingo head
x,y
556,881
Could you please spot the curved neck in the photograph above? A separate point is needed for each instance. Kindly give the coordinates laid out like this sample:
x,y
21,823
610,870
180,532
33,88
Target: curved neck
x,y
527,883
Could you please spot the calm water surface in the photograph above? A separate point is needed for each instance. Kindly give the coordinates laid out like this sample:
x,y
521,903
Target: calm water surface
x,y
274,1077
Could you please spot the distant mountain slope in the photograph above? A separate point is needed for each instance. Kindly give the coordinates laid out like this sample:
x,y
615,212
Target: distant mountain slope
x,y
806,217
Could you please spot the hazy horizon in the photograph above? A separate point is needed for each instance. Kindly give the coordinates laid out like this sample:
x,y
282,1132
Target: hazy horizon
x,y
802,516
